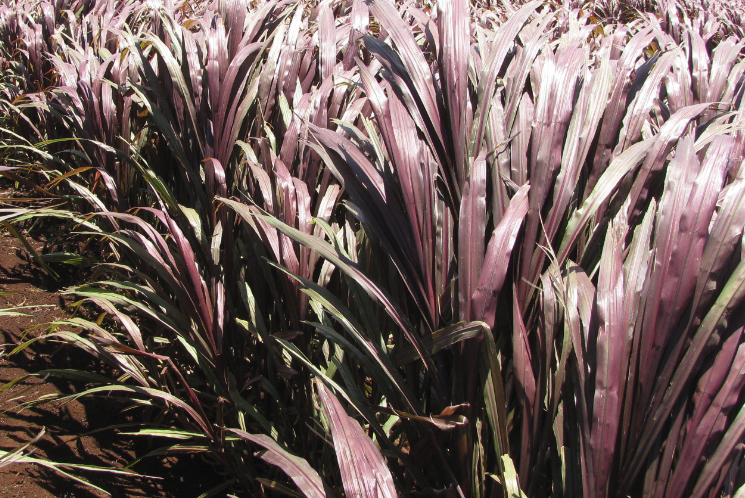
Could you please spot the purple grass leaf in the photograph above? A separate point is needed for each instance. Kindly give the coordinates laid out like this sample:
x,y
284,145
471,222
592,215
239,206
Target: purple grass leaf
x,y
496,261
298,469
364,471
471,232
606,407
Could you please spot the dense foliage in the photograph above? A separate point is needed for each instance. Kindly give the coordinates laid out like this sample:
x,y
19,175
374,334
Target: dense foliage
x,y
390,249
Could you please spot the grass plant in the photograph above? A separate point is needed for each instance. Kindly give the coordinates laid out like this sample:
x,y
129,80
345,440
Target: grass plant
x,y
422,248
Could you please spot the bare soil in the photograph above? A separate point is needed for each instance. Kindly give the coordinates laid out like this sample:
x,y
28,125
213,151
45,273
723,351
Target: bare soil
x,y
77,432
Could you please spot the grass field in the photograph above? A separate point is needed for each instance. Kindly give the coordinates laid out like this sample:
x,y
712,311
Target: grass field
x,y
376,248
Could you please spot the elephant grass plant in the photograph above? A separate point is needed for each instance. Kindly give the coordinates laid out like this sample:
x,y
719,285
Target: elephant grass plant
x,y
382,249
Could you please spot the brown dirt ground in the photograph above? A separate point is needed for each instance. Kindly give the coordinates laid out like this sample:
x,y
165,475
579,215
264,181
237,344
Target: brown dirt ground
x,y
75,431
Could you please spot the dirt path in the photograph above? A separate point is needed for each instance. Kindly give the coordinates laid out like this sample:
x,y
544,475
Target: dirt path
x,y
71,435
